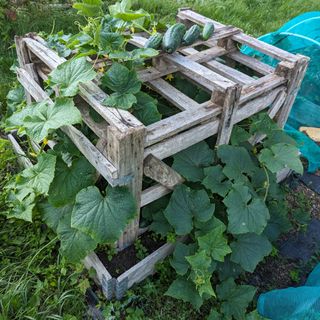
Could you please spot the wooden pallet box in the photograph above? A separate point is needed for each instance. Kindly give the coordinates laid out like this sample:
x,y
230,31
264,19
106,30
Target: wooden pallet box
x,y
127,150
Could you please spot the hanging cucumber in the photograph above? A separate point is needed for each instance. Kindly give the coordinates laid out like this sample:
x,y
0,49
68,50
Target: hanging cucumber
x,y
154,41
173,37
207,31
191,35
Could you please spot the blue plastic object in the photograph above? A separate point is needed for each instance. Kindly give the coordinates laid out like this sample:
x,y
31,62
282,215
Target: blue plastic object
x,y
302,303
301,35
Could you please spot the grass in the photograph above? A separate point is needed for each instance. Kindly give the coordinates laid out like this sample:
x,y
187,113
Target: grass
x,y
34,282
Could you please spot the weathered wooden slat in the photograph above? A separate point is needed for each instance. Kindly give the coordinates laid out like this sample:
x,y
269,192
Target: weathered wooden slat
x,y
153,193
90,92
102,277
230,104
251,62
260,86
142,269
205,55
224,70
277,104
213,79
94,156
173,95
22,158
125,151
294,73
160,172
180,122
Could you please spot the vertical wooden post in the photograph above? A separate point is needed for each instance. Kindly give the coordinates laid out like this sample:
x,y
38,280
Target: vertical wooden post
x,y
229,101
125,151
294,73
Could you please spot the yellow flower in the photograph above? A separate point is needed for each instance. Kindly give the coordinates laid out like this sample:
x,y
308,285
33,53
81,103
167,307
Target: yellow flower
x,y
154,30
32,154
169,77
45,141
101,69
132,29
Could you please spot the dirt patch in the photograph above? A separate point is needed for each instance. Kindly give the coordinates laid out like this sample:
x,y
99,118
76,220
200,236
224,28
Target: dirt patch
x,y
127,258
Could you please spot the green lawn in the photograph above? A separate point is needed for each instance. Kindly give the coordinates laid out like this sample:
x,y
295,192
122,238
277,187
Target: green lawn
x,y
145,301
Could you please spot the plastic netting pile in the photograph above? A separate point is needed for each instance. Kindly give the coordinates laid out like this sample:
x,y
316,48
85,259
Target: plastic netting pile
x,y
301,35
302,303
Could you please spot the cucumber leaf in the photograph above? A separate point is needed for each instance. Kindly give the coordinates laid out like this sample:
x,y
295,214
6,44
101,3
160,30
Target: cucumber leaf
x,y
74,244
245,212
187,205
190,163
281,156
214,243
69,180
110,41
185,290
249,249
68,75
104,218
178,260
235,298
47,117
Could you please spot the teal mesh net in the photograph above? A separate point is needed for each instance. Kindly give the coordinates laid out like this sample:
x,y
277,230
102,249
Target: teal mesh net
x,y
302,303
301,35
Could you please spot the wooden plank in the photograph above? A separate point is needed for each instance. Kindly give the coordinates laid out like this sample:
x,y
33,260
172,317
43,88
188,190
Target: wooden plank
x,y
153,193
22,158
224,70
90,92
94,156
173,95
294,73
230,104
103,277
213,79
179,122
277,104
125,151
204,55
251,62
261,86
160,172
261,46
142,269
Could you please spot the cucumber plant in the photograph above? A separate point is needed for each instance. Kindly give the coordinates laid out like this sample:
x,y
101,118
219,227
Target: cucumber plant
x,y
230,209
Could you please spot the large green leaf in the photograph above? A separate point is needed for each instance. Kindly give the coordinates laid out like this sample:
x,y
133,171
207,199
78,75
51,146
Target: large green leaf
x,y
89,8
201,266
38,177
47,117
237,161
69,180
236,298
216,181
124,82
21,209
228,269
104,218
239,136
281,156
190,162
121,10
160,224
74,244
214,243
134,55
249,249
178,261
110,41
185,290
52,215
145,109
186,205
15,99
68,75
245,212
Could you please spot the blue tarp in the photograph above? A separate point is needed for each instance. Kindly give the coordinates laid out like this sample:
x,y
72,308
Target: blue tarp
x,y
301,35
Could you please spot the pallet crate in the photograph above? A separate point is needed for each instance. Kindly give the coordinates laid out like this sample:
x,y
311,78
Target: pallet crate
x,y
126,149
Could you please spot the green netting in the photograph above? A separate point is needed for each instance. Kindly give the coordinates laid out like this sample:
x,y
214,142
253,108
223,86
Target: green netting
x,y
302,303
301,35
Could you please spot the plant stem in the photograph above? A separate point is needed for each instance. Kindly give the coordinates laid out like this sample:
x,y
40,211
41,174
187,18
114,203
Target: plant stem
x,y
268,183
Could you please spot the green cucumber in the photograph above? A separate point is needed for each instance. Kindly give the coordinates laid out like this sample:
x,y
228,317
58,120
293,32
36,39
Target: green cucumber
x,y
191,35
173,37
207,31
154,41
